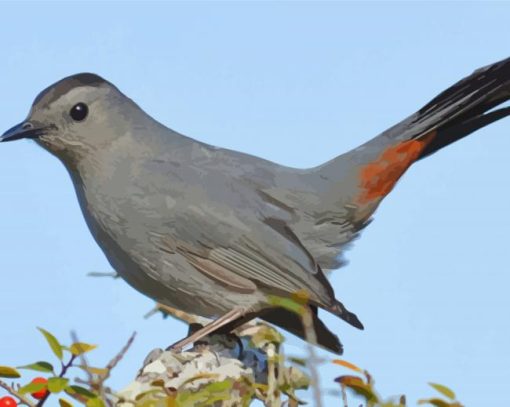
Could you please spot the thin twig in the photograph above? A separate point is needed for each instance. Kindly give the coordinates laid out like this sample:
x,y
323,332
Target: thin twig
x,y
111,365
311,337
273,394
344,395
91,380
14,393
152,312
62,374
83,359
103,274
105,389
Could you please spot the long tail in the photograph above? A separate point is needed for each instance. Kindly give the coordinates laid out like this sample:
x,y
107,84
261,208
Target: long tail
x,y
293,323
453,114
351,186
462,109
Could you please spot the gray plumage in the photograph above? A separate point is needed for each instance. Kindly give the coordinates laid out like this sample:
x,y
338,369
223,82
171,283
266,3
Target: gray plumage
x,y
208,230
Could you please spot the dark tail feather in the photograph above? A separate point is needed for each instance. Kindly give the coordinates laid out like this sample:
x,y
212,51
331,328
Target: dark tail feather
x,y
449,135
292,323
362,177
453,114
459,110
343,313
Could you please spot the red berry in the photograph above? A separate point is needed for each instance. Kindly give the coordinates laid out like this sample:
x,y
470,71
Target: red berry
x,y
8,401
41,393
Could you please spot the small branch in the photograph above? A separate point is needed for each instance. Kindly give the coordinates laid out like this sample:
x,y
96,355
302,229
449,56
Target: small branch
x,y
103,274
122,352
111,365
97,383
14,393
83,359
152,312
312,360
344,395
91,382
273,394
65,367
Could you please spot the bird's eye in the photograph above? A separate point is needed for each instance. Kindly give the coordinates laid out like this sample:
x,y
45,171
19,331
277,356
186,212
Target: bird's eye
x,y
79,112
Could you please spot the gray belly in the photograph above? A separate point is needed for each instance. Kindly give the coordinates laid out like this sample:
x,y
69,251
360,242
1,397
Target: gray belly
x,y
167,278
170,280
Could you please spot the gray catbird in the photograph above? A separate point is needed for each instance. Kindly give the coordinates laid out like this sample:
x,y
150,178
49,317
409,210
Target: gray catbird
x,y
219,233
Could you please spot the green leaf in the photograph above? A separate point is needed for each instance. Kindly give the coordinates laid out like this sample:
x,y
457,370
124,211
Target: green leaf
x,y
32,388
214,393
140,396
95,402
55,345
297,361
287,303
358,386
81,391
435,402
348,365
9,372
445,391
64,403
79,348
94,370
293,378
39,367
264,335
57,384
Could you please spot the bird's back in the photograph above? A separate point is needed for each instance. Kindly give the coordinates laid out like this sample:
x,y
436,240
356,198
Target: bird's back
x,y
335,201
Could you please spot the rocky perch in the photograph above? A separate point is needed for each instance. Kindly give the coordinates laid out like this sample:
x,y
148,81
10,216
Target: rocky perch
x,y
223,370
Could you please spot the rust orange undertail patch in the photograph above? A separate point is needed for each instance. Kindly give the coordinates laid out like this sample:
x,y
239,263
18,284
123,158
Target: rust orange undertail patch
x,y
378,177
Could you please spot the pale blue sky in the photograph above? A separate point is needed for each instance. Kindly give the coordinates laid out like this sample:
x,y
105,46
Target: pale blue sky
x,y
297,83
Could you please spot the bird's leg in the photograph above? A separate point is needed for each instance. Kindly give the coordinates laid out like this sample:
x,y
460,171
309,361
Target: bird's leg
x,y
207,329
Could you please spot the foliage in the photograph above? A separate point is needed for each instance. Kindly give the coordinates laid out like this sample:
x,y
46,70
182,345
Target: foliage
x,y
362,385
90,393
278,385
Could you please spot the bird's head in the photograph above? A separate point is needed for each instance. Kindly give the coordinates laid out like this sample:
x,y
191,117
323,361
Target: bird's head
x,y
76,116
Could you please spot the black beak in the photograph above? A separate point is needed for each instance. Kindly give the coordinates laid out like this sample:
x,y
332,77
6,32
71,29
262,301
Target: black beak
x,y
23,130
